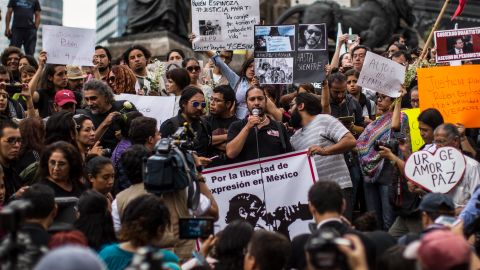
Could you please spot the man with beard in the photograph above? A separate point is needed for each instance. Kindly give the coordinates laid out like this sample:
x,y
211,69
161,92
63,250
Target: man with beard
x,y
222,114
102,61
102,108
325,138
313,37
257,135
75,81
192,106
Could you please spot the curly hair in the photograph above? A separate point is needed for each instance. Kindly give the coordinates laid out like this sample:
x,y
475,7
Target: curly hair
x,y
32,131
102,89
72,156
124,80
142,218
9,50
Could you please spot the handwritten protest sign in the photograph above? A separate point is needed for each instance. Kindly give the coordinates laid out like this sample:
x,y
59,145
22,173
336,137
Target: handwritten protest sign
x,y
438,172
382,75
457,44
224,25
454,91
158,107
310,66
69,45
415,139
285,179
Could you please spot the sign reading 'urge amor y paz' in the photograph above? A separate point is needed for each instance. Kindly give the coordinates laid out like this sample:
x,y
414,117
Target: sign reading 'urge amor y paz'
x,y
437,172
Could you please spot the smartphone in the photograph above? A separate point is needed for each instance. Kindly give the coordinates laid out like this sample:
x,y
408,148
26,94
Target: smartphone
x,y
347,121
352,37
447,220
193,228
13,88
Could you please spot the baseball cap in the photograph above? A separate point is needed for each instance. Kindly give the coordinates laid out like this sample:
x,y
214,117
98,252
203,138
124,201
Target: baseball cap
x,y
64,96
74,72
442,250
432,202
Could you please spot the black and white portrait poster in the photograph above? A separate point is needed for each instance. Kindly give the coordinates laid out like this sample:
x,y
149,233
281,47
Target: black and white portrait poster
x,y
269,194
274,70
312,37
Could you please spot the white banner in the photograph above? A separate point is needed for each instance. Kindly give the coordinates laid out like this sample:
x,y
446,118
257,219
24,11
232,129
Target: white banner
x,y
224,25
438,172
382,75
270,194
158,107
69,45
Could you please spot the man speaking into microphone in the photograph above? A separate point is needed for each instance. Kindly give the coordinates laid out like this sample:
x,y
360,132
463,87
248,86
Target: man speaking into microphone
x,y
257,135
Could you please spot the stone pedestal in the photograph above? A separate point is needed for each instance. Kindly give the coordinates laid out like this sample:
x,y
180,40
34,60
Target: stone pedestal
x,y
159,44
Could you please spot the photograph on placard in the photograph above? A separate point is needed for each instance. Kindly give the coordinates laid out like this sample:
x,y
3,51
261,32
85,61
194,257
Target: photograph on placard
x,y
274,70
312,37
458,44
274,38
210,30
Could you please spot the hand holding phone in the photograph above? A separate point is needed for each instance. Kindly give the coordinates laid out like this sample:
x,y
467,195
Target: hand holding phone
x,y
193,228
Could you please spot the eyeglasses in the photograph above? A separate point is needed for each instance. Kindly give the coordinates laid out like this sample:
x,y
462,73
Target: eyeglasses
x,y
316,32
198,103
192,69
13,140
381,97
111,79
215,100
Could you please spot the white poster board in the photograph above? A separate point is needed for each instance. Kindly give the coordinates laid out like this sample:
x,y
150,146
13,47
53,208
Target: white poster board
x,y
382,75
69,45
437,172
158,107
239,191
224,25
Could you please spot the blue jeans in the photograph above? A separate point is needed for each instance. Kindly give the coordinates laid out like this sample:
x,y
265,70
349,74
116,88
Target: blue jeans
x,y
377,200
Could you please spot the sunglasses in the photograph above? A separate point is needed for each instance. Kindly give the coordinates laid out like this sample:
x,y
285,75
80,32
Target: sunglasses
x,y
13,140
111,79
311,31
198,103
192,69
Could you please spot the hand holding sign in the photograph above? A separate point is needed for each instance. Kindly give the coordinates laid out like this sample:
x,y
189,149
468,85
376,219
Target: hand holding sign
x,y
438,172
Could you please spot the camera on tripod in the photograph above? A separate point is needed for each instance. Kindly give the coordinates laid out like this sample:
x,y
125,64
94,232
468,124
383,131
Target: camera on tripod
x,y
172,167
13,215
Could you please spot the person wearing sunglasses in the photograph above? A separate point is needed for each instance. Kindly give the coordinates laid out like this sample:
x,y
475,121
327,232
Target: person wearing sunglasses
x,y
122,80
10,143
195,70
192,108
313,37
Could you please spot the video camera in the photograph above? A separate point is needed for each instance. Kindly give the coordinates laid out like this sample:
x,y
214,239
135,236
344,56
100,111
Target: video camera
x,y
322,247
172,167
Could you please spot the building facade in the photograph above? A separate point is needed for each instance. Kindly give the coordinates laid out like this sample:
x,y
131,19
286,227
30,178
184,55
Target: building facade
x,y
111,19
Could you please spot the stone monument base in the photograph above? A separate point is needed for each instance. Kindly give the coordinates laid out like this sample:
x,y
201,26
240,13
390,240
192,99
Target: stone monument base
x,y
159,44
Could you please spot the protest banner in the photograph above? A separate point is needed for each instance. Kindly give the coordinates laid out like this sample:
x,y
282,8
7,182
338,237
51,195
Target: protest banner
x,y
454,91
69,45
415,139
224,24
310,66
457,44
382,75
270,193
438,172
158,107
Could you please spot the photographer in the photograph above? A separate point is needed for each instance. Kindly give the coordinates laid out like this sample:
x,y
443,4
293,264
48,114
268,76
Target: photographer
x,y
378,173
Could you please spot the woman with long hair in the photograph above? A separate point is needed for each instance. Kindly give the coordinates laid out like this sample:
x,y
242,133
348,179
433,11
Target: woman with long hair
x,y
32,131
122,80
95,220
61,168
85,136
195,71
100,176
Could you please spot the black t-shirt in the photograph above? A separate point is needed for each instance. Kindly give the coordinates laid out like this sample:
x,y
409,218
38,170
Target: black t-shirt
x,y
202,130
45,102
109,140
12,181
269,140
77,189
219,127
350,107
23,11
37,234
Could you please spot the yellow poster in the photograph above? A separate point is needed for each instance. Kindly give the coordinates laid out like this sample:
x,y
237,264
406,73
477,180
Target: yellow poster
x,y
415,138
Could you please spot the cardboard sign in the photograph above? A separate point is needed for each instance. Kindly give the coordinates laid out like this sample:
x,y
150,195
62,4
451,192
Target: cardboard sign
x,y
458,44
415,139
224,25
69,45
438,172
158,107
382,75
454,91
270,193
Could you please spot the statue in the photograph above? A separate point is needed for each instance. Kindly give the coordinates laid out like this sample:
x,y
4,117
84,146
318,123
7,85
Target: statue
x,y
146,16
374,20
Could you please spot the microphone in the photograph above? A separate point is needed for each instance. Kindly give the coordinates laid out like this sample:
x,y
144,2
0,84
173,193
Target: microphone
x,y
256,112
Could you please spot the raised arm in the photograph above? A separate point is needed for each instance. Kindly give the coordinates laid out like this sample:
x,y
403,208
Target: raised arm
x,y
336,56
226,71
396,117
33,84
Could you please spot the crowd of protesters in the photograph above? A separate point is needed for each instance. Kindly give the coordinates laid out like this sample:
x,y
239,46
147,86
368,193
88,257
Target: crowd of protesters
x,y
67,145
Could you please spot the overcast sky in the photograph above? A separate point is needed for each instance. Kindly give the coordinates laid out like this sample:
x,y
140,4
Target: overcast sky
x,y
79,13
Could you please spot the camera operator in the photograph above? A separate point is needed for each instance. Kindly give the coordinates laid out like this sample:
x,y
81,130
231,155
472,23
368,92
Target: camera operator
x,y
378,172
192,107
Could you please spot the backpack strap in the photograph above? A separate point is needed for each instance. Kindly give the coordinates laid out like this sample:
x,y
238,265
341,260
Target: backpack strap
x,y
282,135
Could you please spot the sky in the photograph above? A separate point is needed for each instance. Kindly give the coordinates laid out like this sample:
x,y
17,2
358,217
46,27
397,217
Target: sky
x,y
79,13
